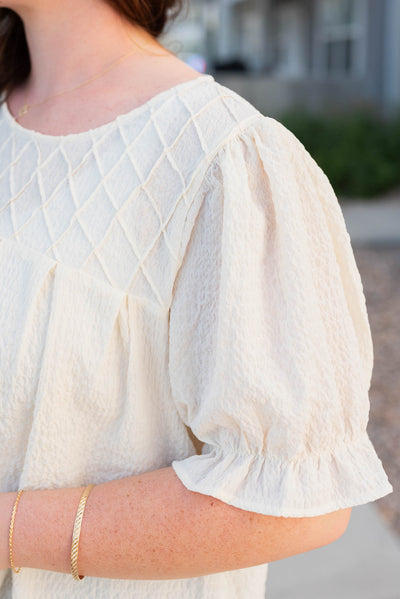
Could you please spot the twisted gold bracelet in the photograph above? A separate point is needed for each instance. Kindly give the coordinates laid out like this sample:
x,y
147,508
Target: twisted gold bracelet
x,y
16,570
77,531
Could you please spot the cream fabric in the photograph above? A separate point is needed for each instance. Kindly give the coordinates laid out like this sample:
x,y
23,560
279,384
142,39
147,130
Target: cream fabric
x,y
186,264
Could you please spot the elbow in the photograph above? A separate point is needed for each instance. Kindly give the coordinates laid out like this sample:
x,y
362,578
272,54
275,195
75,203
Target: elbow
x,y
309,533
343,521
332,526
282,537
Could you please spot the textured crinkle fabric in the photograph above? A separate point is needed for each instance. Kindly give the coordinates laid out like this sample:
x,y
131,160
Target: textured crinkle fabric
x,y
185,267
271,354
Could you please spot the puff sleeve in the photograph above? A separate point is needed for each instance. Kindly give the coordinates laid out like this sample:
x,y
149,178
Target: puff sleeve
x,y
270,353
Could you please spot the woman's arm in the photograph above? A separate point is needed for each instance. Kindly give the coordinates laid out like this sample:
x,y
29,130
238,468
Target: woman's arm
x,y
150,526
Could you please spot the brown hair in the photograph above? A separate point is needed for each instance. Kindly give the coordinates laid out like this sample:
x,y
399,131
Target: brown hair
x,y
15,64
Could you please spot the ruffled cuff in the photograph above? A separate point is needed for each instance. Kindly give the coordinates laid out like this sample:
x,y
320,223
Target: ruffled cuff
x,y
350,475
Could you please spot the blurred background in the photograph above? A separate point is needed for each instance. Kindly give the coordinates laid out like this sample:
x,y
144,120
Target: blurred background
x,y
329,70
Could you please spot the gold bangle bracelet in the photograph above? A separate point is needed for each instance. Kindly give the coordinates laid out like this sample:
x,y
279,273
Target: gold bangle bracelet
x,y
77,531
10,537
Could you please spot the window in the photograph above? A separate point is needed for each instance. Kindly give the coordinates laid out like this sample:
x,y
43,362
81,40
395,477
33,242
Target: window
x,y
340,38
291,36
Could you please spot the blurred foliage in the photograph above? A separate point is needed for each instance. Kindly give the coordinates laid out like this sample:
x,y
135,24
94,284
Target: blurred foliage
x,y
359,151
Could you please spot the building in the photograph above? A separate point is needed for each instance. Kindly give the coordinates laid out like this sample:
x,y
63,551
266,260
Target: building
x,y
317,54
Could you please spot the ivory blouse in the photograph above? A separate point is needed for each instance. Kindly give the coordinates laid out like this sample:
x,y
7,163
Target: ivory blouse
x,y
185,266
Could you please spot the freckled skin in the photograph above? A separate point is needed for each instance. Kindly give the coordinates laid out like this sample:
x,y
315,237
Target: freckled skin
x,y
153,529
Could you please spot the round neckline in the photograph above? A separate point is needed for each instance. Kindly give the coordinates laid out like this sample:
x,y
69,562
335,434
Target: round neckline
x,y
32,133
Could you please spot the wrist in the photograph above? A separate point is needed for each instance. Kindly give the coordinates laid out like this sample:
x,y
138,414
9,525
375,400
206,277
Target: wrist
x,y
38,512
7,501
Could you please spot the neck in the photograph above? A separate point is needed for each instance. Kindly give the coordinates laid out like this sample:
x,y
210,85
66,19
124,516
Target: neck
x,y
69,42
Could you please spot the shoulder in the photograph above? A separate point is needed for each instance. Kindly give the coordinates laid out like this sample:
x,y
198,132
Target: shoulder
x,y
192,120
186,126
201,120
216,116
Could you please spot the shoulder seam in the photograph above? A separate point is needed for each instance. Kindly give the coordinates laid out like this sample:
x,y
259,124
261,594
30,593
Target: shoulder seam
x,y
236,131
209,161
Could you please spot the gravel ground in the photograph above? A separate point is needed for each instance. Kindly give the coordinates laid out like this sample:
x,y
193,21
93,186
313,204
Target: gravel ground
x,y
380,273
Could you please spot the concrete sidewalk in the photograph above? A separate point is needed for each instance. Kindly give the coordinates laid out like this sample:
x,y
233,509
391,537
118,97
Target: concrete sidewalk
x,y
365,562
369,222
362,564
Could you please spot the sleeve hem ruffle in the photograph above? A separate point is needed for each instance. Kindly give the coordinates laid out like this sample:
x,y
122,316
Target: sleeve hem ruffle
x,y
350,475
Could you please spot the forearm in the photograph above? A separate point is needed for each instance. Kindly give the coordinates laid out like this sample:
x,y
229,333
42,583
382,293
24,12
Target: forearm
x,y
150,526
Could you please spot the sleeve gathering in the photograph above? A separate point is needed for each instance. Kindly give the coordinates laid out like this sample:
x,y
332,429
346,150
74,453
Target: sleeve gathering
x,y
270,349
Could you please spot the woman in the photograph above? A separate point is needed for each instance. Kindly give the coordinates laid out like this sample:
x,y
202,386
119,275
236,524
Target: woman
x,y
182,322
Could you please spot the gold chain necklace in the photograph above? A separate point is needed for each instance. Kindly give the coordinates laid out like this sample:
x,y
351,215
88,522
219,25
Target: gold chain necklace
x,y
27,106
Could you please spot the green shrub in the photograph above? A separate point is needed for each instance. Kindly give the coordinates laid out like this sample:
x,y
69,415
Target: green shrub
x,y
358,151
